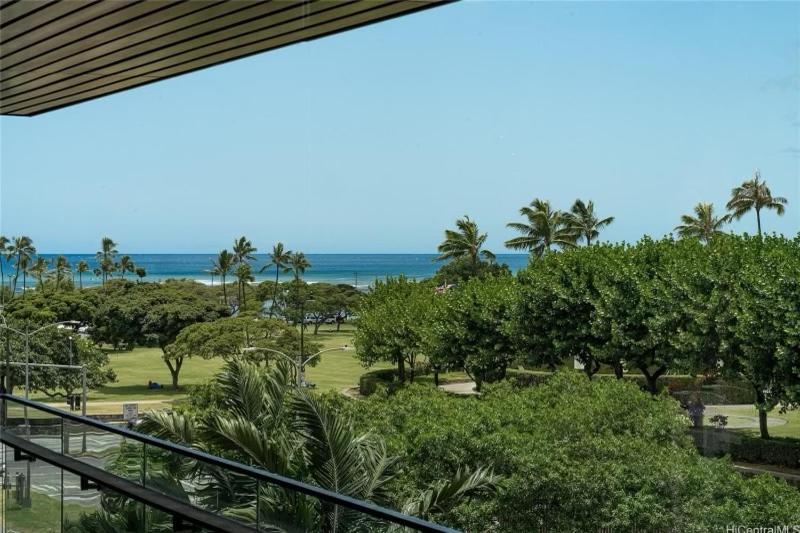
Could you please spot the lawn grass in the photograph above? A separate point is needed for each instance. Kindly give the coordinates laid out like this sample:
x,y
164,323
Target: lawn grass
x,y
134,368
790,429
43,516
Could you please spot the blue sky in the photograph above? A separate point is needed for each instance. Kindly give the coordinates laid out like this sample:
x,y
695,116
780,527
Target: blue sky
x,y
377,139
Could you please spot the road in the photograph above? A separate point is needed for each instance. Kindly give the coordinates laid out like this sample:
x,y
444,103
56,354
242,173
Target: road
x,y
47,479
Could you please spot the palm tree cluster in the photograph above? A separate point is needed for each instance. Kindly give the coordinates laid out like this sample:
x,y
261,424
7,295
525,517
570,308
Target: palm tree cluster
x,y
751,195
238,261
20,253
546,227
257,417
107,264
543,229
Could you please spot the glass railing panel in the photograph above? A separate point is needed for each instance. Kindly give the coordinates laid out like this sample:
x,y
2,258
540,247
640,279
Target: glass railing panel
x,y
205,483
88,510
206,486
32,495
105,450
34,425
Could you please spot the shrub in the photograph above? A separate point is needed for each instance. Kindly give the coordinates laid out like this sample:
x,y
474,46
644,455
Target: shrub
x,y
778,452
575,455
369,382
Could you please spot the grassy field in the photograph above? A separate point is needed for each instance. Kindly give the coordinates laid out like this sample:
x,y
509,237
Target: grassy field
x,y
43,516
790,429
335,371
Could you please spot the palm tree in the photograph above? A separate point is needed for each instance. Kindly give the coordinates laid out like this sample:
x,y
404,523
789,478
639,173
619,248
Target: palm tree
x,y
546,227
243,251
705,225
61,268
223,265
299,264
465,241
140,273
3,243
263,418
244,275
22,251
754,194
212,272
38,269
108,250
26,268
583,223
82,267
281,260
126,265
107,267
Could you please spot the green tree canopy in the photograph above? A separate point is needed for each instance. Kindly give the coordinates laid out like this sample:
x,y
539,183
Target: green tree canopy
x,y
573,455
469,328
392,323
152,314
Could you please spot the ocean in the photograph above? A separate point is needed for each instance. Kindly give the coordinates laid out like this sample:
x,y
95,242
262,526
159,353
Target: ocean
x,y
354,269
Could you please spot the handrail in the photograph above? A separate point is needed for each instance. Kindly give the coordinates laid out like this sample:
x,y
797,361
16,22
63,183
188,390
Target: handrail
x,y
257,473
120,485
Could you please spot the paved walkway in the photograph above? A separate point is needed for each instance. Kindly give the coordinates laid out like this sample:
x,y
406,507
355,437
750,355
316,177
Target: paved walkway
x,y
464,387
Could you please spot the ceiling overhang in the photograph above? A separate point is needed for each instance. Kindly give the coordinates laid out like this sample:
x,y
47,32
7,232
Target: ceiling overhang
x,y
56,53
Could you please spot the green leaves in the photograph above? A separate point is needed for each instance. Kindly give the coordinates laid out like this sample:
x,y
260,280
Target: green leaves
x,y
468,328
573,454
393,321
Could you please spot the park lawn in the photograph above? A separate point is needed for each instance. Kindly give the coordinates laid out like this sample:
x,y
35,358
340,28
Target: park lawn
x,y
134,368
790,429
43,516
336,370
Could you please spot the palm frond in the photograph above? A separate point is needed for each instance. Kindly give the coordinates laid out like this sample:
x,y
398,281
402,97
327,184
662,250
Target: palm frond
x,y
444,495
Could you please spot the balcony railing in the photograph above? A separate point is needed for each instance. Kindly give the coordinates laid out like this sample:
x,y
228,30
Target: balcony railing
x,y
61,469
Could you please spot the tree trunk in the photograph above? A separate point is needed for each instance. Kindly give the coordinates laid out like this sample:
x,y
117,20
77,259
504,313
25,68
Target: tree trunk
x,y
16,276
652,379
618,370
274,291
591,367
401,368
758,221
174,370
762,413
224,290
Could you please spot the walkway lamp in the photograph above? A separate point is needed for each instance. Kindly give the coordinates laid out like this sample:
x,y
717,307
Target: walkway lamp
x,y
299,362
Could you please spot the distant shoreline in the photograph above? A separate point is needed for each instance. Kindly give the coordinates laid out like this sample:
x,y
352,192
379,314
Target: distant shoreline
x,y
359,270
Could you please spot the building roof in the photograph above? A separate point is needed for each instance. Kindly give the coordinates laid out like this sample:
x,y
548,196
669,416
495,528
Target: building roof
x,y
55,53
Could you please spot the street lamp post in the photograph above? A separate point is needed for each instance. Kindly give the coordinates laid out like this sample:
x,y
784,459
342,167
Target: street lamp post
x,y
27,334
298,361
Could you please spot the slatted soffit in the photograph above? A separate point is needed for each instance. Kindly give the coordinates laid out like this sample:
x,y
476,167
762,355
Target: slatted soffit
x,y
55,53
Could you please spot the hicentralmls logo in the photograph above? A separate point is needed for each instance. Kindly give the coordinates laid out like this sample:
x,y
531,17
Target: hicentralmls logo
x,y
763,529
